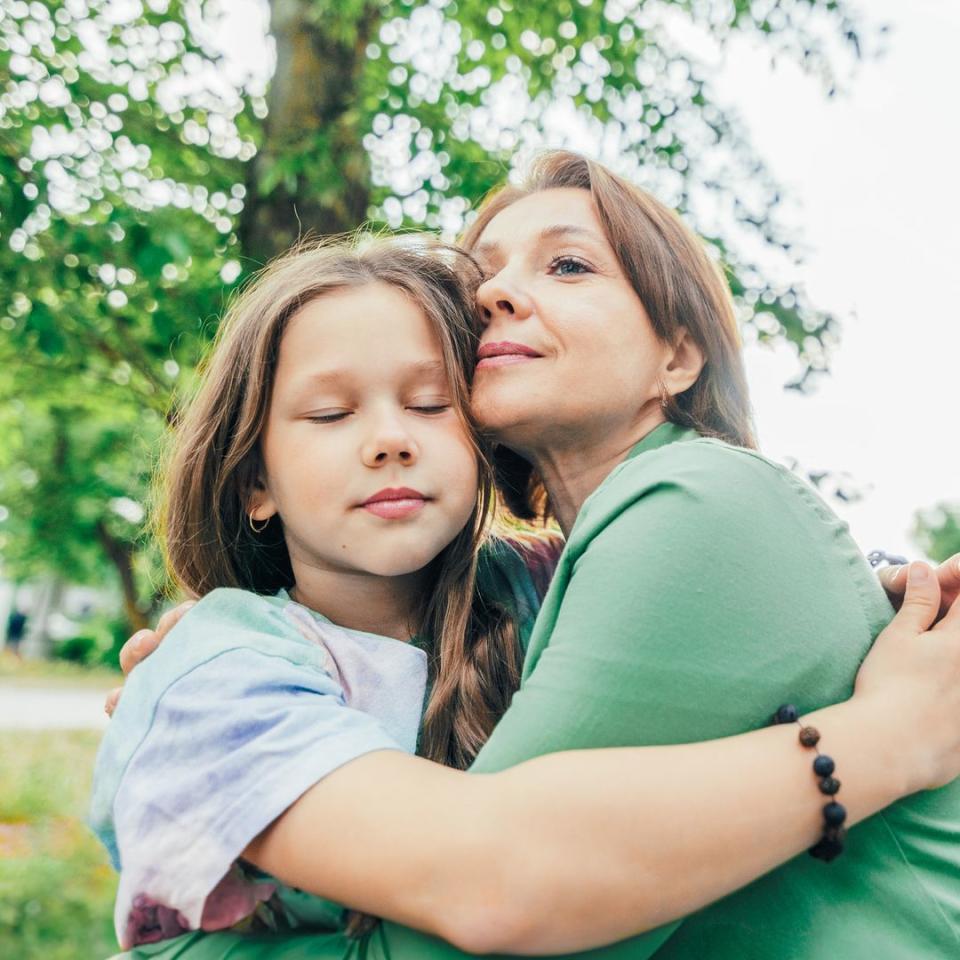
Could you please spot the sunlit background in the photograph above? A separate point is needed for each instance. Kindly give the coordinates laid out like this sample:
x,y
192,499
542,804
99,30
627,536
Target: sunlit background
x,y
868,165
154,152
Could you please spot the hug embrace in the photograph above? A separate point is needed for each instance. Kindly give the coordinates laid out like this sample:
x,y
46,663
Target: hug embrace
x,y
406,718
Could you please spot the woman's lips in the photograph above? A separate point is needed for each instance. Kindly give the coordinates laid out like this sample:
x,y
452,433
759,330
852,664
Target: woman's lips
x,y
503,360
504,353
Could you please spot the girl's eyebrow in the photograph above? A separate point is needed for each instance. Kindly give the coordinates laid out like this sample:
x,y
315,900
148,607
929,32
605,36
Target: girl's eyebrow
x,y
420,369
557,231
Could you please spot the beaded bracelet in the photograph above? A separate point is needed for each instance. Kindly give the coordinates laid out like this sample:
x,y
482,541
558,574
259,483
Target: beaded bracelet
x,y
830,844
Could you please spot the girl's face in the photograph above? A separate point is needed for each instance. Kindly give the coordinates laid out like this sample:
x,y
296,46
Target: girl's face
x,y
568,352
365,459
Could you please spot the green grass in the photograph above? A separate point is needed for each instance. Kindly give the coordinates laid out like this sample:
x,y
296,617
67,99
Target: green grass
x,y
56,884
55,673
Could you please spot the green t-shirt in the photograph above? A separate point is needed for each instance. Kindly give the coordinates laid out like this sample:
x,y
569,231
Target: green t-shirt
x,y
701,587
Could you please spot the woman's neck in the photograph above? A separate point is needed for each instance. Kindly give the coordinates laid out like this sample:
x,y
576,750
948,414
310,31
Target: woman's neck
x,y
386,606
572,471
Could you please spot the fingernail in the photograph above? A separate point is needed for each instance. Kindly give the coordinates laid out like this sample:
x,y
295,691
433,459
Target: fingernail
x,y
919,573
895,576
138,638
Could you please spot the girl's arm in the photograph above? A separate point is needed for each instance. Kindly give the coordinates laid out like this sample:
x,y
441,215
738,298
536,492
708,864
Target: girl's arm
x,y
581,848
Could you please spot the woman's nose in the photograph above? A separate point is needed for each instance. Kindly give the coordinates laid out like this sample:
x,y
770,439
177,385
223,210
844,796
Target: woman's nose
x,y
501,297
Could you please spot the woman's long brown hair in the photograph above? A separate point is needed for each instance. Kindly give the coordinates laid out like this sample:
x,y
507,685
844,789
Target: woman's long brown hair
x,y
677,282
214,461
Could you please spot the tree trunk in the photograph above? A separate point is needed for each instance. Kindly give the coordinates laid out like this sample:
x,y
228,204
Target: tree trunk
x,y
311,175
120,554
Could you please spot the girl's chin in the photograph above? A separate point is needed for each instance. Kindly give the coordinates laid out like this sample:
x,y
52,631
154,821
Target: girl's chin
x,y
400,565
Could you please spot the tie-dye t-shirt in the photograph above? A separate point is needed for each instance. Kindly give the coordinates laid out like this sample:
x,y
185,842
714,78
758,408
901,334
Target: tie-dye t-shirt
x,y
245,705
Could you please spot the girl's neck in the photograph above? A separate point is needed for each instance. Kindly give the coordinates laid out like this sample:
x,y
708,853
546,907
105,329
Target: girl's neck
x,y
386,606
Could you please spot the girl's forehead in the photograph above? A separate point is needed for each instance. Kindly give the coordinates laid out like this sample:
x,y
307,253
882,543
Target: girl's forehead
x,y
361,334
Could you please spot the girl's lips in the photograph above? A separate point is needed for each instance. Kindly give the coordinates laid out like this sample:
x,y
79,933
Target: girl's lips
x,y
395,509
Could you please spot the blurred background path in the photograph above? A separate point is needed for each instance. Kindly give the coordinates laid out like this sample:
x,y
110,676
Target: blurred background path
x,y
28,707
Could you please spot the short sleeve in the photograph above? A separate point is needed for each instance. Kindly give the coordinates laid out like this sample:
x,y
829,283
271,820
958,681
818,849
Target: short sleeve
x,y
229,746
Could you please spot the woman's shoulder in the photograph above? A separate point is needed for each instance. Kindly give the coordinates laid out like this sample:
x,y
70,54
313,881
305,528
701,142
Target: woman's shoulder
x,y
702,487
705,469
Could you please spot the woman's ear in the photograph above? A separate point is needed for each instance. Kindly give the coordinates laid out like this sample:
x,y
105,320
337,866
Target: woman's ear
x,y
684,365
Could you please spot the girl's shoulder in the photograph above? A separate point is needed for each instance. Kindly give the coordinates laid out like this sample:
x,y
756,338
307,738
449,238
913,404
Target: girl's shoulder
x,y
228,619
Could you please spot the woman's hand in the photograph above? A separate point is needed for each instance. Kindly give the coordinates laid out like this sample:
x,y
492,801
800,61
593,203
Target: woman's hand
x,y
141,645
894,581
911,676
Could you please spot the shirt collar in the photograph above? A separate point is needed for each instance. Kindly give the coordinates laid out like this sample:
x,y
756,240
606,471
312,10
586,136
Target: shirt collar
x,y
660,436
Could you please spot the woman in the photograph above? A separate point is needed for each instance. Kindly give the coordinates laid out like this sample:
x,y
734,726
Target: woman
x,y
683,610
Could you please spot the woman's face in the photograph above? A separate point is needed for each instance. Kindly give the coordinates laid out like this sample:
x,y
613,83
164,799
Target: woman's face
x,y
567,354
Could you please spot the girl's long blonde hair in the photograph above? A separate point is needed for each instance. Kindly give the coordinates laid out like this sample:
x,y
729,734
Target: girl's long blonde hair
x,y
214,461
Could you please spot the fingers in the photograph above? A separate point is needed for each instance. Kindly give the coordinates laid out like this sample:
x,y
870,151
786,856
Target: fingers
x,y
140,645
113,698
172,617
894,581
948,575
921,601
144,642
951,619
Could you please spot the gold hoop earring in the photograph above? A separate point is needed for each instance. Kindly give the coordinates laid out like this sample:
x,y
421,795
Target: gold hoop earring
x,y
664,397
259,529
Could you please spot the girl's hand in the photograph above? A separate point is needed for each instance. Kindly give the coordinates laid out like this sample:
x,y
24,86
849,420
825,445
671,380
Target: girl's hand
x,y
911,678
141,645
894,581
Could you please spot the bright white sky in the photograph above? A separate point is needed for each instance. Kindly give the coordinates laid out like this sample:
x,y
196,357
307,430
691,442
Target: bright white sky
x,y
874,178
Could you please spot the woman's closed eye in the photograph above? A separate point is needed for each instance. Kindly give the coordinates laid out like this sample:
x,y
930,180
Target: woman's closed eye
x,y
567,266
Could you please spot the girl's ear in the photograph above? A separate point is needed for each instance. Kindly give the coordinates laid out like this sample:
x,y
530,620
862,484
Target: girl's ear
x,y
260,503
683,365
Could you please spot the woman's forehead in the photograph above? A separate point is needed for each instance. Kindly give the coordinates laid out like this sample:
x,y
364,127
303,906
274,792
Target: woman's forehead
x,y
563,213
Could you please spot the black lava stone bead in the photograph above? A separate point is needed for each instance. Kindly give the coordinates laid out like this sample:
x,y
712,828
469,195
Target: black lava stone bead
x,y
788,713
834,814
823,766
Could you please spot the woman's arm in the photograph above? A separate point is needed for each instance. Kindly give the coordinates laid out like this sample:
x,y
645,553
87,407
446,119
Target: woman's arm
x,y
576,849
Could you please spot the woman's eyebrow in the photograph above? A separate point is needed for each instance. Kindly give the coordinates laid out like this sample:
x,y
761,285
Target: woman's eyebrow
x,y
556,231
562,230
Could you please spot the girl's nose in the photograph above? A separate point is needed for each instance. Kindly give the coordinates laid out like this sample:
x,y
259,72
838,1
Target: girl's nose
x,y
390,444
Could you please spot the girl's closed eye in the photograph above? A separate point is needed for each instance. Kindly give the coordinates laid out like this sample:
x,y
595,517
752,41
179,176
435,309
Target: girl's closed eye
x,y
431,407
328,416
568,266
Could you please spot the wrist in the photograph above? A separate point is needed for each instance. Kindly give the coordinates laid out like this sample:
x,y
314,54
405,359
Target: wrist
x,y
879,761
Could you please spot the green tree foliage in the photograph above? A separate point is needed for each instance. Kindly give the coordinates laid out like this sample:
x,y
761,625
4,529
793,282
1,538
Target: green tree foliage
x,y
937,531
143,173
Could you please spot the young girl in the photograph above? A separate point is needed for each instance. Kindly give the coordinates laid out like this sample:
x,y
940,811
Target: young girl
x,y
328,473
326,499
